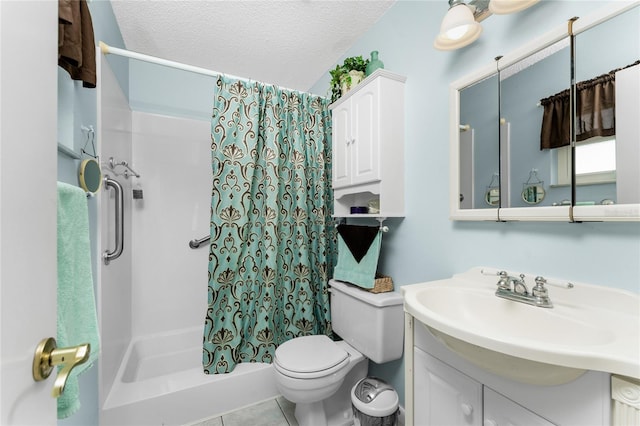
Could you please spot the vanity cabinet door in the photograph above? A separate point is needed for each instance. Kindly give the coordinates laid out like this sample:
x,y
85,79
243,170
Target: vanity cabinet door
x,y
443,396
501,411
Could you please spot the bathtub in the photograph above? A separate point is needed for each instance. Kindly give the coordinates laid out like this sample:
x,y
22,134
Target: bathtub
x,y
160,382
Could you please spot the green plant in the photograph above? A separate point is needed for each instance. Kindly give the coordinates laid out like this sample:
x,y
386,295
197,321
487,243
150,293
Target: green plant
x,y
341,73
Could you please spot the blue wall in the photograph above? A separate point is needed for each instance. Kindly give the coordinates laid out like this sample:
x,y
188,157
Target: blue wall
x,y
426,245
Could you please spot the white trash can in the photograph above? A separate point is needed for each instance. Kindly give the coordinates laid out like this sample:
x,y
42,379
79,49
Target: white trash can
x,y
375,403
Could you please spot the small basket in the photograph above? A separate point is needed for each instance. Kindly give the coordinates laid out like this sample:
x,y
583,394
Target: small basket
x,y
382,284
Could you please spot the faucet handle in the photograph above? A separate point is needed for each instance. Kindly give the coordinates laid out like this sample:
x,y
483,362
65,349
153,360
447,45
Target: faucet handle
x,y
540,290
540,281
503,282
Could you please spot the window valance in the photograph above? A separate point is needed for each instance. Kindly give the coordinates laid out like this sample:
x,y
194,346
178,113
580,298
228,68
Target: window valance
x,y
595,111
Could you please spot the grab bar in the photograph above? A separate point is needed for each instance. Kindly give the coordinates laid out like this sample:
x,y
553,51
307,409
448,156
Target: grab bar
x,y
108,256
194,244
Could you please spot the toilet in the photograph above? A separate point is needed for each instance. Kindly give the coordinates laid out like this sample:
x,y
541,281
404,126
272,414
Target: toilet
x,y
317,374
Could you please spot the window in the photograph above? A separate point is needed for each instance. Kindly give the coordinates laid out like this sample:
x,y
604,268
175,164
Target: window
x,y
595,162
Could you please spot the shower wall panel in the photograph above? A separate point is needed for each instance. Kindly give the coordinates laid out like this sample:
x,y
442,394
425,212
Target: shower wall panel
x,y
173,156
114,280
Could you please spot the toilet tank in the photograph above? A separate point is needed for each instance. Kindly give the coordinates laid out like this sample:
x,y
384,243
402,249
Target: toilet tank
x,y
371,323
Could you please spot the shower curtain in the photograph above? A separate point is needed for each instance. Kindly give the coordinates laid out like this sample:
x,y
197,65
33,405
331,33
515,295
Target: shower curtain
x,y
272,246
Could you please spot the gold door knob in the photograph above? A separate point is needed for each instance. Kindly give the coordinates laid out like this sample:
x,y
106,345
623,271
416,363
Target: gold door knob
x,y
48,355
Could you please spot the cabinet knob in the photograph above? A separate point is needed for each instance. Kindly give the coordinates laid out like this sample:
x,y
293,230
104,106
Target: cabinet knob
x,y
466,409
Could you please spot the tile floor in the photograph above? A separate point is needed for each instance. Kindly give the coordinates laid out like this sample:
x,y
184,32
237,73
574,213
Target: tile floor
x,y
274,412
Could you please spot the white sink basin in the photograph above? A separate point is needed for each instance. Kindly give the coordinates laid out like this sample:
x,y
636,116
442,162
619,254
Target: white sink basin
x,y
589,328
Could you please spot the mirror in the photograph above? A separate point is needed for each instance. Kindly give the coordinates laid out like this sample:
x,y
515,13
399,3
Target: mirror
x,y
522,86
477,148
607,149
478,141
527,80
90,175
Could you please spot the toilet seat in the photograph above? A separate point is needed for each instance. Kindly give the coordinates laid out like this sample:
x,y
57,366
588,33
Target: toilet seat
x,y
310,357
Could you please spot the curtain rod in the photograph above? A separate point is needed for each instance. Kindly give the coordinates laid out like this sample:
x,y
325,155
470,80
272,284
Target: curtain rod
x,y
106,49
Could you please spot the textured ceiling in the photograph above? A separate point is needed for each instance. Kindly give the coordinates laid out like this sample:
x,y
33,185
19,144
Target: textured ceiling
x,y
289,43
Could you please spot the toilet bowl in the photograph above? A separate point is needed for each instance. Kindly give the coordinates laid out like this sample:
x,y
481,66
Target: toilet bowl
x,y
316,374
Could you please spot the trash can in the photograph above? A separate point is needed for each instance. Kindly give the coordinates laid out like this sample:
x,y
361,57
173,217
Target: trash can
x,y
375,403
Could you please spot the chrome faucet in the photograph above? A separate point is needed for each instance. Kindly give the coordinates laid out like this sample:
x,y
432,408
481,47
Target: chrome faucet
x,y
514,288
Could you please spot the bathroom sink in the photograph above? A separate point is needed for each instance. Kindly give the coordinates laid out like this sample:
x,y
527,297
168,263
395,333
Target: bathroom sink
x,y
589,327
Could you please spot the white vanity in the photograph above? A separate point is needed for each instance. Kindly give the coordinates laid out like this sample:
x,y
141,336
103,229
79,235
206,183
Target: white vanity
x,y
473,358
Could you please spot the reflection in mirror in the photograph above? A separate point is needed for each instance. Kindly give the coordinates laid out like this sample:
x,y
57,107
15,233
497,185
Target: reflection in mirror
x,y
533,189
522,86
492,194
607,163
478,143
533,194
492,197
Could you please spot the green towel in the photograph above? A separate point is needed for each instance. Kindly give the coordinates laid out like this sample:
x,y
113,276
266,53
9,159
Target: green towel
x,y
77,318
361,273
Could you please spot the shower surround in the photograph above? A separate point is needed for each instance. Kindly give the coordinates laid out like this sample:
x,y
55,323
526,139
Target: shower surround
x,y
153,299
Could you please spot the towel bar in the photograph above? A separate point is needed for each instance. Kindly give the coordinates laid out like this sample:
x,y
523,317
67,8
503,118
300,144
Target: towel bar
x,y
194,244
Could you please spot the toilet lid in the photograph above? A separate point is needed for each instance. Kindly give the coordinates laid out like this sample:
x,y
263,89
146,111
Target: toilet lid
x,y
310,354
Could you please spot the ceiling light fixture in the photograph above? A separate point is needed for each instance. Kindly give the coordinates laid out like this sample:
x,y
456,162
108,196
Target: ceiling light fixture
x,y
503,7
461,25
458,28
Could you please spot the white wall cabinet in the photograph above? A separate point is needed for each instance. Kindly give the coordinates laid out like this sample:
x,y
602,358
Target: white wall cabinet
x,y
368,146
356,141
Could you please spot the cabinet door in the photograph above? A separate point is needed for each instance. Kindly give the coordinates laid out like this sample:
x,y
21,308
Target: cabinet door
x,y
443,396
341,143
501,411
365,127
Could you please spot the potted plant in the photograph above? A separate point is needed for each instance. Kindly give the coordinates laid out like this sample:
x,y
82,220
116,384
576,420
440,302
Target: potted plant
x,y
347,75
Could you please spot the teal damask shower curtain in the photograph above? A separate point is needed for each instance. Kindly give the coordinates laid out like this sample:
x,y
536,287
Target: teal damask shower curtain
x,y
272,246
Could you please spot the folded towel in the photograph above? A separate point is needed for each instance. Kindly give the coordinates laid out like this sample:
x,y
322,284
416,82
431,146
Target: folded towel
x,y
362,273
358,238
77,318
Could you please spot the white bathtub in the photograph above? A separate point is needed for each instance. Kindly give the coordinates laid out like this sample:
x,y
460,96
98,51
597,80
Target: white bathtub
x,y
161,382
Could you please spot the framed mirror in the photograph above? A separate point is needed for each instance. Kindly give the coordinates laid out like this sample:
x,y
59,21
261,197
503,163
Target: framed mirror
x,y
607,130
528,79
